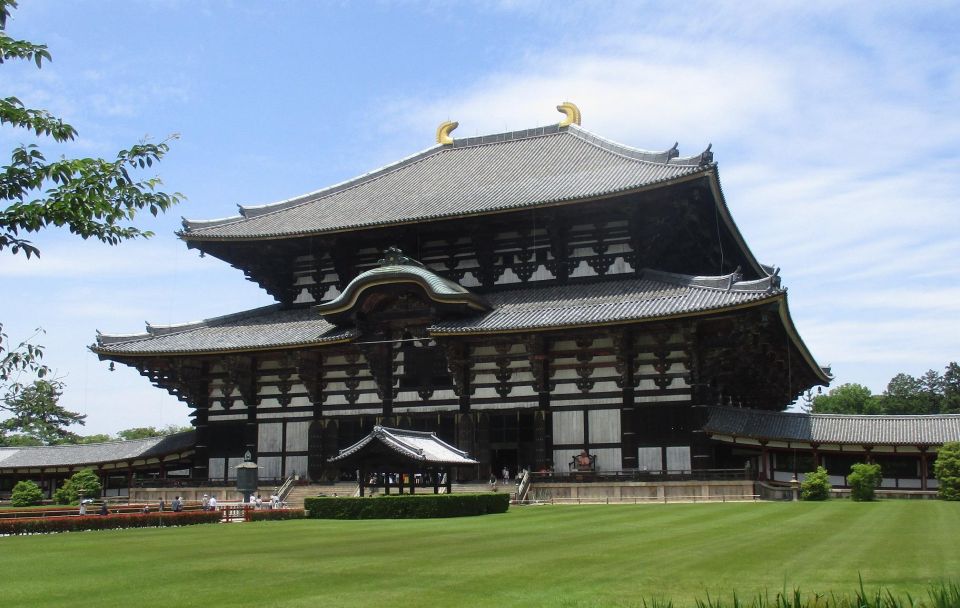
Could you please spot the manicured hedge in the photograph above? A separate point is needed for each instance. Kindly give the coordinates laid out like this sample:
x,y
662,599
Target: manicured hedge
x,y
38,525
406,506
274,514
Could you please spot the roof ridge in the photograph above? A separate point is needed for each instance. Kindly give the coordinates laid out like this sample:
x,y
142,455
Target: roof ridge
x,y
164,330
724,282
703,159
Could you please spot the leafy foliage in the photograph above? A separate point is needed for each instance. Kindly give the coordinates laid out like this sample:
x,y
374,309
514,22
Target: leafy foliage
x,y
863,480
947,470
847,399
816,485
144,432
273,514
92,197
26,494
406,506
83,484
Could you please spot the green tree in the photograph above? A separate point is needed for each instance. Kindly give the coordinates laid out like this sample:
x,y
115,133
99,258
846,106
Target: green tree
x,y
816,485
863,480
947,470
847,399
35,413
83,484
26,494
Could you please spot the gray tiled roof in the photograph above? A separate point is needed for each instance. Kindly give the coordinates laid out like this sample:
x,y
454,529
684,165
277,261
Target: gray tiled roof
x,y
261,328
95,453
652,295
834,428
416,445
482,174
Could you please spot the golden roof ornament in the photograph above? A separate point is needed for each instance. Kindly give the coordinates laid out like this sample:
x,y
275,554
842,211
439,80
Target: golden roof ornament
x,y
572,114
444,130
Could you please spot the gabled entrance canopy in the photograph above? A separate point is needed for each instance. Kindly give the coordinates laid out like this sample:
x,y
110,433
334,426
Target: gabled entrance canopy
x,y
388,450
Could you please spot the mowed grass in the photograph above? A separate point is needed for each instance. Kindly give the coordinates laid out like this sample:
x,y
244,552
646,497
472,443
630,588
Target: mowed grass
x,y
531,556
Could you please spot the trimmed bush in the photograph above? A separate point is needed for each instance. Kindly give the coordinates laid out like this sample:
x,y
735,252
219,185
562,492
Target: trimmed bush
x,y
274,514
947,470
39,525
83,483
26,494
406,506
816,485
863,480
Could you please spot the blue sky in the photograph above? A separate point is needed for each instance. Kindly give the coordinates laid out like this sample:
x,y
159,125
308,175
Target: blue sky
x,y
835,128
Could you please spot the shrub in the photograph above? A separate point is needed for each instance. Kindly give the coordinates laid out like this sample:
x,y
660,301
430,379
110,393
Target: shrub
x,y
274,514
406,506
816,485
83,483
947,470
863,480
26,494
35,525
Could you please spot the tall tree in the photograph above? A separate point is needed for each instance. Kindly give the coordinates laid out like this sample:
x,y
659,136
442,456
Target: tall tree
x,y
91,197
35,413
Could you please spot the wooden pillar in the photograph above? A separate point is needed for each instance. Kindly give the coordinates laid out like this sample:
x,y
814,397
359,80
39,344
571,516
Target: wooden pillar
x,y
201,454
765,473
436,481
448,471
363,479
816,455
924,467
412,482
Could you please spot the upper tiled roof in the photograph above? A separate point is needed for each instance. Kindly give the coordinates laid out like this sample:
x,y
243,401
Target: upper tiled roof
x,y
649,296
652,295
415,445
834,428
95,453
476,175
261,328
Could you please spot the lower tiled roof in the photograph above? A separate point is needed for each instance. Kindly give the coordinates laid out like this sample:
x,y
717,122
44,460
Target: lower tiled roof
x,y
834,428
650,295
95,453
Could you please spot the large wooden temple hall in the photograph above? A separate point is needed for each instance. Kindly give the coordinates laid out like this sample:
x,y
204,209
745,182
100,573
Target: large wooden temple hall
x,y
528,296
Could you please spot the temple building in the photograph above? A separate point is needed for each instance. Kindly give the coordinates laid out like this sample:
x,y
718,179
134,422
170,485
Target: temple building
x,y
528,296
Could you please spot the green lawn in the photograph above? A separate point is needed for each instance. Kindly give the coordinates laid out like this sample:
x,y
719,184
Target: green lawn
x,y
532,556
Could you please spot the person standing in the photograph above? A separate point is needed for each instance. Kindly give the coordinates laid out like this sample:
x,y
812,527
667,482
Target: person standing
x,y
83,507
506,475
177,505
212,504
206,502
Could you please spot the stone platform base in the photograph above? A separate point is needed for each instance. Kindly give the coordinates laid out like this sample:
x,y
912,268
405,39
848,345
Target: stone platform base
x,y
642,491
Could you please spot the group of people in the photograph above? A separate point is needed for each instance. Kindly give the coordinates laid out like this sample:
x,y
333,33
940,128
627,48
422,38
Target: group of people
x,y
209,503
103,510
256,501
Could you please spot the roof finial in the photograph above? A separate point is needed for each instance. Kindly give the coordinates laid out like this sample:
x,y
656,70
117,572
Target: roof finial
x,y
443,131
572,114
